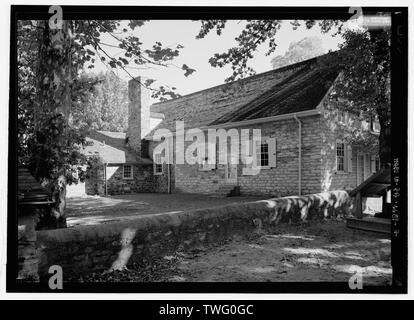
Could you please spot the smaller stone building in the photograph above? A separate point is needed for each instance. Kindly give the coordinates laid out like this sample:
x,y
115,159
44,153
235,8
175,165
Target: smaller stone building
x,y
116,169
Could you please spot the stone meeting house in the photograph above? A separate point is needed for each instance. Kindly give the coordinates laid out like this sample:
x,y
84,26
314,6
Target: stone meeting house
x,y
303,148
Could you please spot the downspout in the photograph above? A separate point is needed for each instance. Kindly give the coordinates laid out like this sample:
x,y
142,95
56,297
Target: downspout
x,y
168,166
106,180
300,152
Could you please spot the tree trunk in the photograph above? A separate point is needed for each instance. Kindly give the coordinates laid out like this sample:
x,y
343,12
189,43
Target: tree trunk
x,y
384,139
382,54
60,196
58,211
54,85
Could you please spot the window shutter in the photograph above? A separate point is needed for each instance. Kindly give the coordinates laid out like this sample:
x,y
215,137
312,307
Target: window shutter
x,y
272,152
211,148
367,163
349,154
256,153
248,167
251,154
245,150
373,169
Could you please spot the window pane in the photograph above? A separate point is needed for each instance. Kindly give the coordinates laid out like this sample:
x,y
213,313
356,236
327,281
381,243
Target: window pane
x,y
158,165
262,155
340,150
340,163
377,164
127,171
340,156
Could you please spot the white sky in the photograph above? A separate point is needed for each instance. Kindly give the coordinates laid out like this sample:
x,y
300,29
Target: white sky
x,y
196,53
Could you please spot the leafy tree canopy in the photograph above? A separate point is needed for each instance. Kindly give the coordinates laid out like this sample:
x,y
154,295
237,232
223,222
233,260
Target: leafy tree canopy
x,y
104,107
307,48
255,34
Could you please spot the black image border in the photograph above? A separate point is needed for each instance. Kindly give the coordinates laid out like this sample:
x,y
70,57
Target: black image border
x,y
399,96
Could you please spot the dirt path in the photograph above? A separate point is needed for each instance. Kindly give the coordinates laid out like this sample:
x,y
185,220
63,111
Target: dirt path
x,y
323,252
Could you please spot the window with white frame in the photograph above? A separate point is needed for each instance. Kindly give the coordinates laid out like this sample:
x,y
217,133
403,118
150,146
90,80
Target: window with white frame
x,y
262,154
127,171
343,157
340,156
374,125
158,167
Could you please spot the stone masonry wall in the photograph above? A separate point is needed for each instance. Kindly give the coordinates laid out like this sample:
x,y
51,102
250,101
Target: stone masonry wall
x,y
279,181
331,131
160,181
142,181
284,179
26,245
95,184
138,114
87,249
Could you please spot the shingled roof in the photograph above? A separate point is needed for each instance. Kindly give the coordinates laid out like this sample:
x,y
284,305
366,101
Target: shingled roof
x,y
300,91
297,87
111,147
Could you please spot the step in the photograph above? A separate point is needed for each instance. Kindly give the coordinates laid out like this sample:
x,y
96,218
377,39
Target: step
x,y
370,224
223,191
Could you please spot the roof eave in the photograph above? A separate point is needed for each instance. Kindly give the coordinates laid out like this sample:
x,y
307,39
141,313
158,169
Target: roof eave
x,y
301,114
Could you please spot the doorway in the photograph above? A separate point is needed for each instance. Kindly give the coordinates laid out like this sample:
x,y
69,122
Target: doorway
x,y
363,167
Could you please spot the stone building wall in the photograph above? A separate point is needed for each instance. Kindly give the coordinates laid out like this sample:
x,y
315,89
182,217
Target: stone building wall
x,y
142,180
160,181
283,180
95,183
279,181
331,132
319,136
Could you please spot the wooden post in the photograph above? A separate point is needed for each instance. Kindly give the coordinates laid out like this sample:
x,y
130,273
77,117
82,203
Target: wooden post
x,y
384,200
386,213
358,205
106,179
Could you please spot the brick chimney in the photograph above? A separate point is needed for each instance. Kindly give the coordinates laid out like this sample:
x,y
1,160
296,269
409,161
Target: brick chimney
x,y
138,114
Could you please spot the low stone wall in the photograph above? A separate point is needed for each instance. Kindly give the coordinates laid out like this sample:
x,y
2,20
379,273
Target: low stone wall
x,y
87,249
27,257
